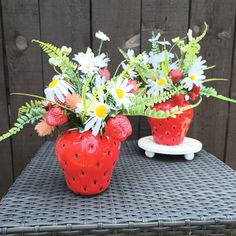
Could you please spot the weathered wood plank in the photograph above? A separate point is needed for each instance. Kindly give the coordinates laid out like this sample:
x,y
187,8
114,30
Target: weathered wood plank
x,y
230,151
210,120
6,173
69,25
21,25
64,23
170,18
120,20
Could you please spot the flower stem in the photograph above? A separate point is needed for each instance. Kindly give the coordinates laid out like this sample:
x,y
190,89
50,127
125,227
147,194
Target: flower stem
x,y
43,98
100,47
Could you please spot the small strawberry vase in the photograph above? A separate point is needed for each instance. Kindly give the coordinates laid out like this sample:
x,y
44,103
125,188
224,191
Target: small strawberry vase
x,y
170,131
87,160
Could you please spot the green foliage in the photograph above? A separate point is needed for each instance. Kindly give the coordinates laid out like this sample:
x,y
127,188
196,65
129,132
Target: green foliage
x,y
208,92
32,104
153,99
211,92
143,110
190,50
155,46
67,67
30,113
141,105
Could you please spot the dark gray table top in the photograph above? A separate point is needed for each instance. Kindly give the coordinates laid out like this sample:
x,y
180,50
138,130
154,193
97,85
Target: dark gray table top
x,y
159,193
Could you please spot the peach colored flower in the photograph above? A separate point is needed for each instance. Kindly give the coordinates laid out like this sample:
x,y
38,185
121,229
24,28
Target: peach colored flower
x,y
72,100
43,128
105,73
135,86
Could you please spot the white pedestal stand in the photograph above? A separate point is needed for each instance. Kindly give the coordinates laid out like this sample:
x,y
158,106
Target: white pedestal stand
x,y
187,148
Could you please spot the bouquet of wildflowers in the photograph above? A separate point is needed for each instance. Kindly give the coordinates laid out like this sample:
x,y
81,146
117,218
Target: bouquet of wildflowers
x,y
83,94
177,77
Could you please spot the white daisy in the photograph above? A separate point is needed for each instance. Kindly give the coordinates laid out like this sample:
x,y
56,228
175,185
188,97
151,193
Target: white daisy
x,y
157,86
54,61
101,61
190,35
89,64
102,36
145,58
121,91
156,59
96,120
199,64
195,77
131,54
131,71
66,50
195,74
156,38
86,62
58,88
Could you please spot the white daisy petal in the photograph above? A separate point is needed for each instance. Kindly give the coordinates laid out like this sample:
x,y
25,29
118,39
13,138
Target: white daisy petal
x,y
49,94
100,35
90,124
96,127
59,94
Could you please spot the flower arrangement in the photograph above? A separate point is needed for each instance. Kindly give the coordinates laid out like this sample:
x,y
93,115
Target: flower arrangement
x,y
83,94
174,79
91,105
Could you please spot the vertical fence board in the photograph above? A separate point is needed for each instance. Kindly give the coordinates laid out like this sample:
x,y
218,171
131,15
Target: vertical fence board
x,y
170,18
230,154
120,20
21,25
210,119
64,23
6,175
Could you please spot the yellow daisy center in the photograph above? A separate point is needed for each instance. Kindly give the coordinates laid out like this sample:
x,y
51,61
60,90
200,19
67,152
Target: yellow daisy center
x,y
120,93
88,67
53,83
192,77
101,111
161,82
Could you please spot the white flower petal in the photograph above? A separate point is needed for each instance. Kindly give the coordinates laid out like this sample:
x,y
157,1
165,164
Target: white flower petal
x,y
97,127
58,94
49,94
102,36
90,123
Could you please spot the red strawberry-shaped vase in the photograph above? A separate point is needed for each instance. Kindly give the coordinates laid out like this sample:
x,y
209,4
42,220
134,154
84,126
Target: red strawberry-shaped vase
x,y
87,160
170,131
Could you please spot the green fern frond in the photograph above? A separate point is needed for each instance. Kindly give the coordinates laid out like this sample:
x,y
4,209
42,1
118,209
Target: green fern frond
x,y
155,46
151,100
28,106
208,92
211,92
142,110
20,123
30,113
66,65
48,48
141,106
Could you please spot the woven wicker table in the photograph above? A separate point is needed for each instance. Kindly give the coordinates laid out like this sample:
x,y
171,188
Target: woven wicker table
x,y
165,195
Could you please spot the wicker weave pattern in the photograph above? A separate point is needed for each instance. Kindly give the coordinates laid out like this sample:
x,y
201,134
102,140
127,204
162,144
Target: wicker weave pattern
x,y
166,194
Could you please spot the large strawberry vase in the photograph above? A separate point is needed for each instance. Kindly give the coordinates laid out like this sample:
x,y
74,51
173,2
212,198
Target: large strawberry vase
x,y
87,160
170,131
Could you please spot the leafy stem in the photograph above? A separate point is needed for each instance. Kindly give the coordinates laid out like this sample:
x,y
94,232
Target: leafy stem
x,y
43,98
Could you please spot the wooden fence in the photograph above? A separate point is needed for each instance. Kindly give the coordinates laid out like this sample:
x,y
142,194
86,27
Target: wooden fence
x,y
23,68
